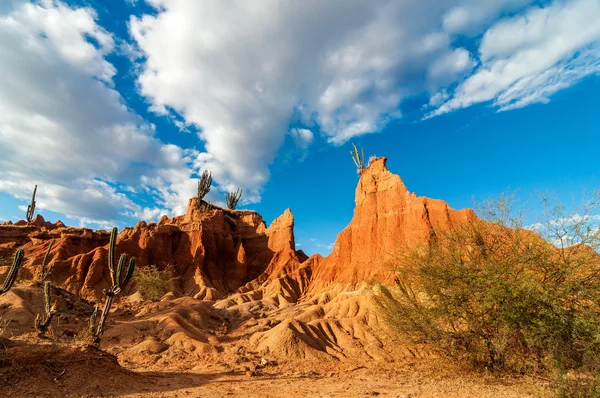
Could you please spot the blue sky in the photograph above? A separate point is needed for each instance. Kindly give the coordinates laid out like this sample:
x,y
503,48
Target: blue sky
x,y
114,108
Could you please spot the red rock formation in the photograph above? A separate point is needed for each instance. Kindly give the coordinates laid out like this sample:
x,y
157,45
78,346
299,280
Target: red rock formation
x,y
387,219
213,253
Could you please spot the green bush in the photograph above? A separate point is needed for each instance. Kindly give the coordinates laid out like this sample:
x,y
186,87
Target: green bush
x,y
495,295
153,283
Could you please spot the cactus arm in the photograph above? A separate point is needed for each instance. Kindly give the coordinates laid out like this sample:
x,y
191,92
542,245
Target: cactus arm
x,y
362,157
111,255
129,272
120,270
358,157
31,206
354,154
14,270
47,296
42,322
44,272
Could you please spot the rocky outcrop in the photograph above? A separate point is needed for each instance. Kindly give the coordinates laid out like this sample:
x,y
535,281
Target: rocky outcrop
x,y
212,253
387,220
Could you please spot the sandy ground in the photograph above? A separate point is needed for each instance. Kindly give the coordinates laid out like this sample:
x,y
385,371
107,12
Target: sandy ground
x,y
411,380
30,369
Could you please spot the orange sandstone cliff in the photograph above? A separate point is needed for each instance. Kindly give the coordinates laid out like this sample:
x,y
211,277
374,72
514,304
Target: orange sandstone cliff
x,y
387,219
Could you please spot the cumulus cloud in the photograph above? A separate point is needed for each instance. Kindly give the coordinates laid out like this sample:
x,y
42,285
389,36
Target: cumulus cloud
x,y
63,125
240,71
527,58
469,16
452,65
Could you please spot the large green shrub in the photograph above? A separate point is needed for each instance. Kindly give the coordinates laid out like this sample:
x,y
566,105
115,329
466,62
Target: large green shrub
x,y
496,295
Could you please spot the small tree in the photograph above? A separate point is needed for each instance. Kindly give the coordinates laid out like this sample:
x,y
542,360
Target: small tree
x,y
358,158
31,207
233,198
120,277
14,270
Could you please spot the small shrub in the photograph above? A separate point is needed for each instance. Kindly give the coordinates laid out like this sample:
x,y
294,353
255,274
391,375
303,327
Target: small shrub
x,y
84,337
153,283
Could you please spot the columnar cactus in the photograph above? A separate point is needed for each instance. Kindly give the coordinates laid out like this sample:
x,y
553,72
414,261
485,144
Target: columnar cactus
x,y
42,322
204,185
233,198
14,270
31,207
44,272
358,158
120,278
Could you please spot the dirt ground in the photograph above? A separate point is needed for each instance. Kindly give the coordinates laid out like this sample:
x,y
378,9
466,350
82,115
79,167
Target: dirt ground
x,y
31,369
183,347
412,380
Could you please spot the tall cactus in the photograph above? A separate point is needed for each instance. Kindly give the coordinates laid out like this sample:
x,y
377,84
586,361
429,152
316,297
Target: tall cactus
x,y
120,278
233,198
42,322
44,272
31,207
358,158
14,270
204,185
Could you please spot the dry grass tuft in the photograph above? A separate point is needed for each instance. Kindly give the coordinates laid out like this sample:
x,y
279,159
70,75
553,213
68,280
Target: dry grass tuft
x,y
153,283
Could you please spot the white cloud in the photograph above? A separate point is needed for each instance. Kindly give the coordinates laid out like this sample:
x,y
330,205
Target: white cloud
x,y
438,99
527,58
469,16
302,137
63,126
241,70
451,66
